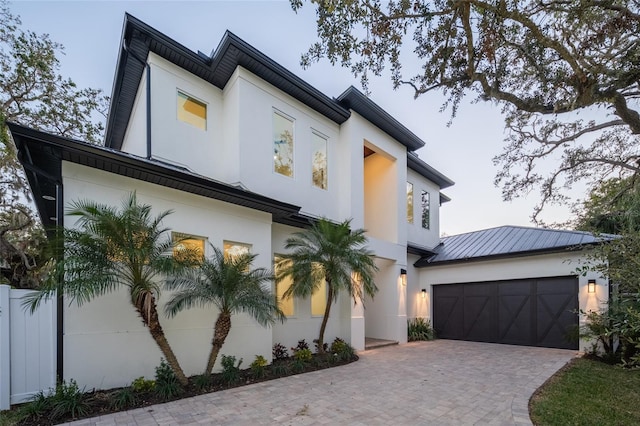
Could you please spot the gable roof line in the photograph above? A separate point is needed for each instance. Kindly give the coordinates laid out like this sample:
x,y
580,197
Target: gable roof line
x,y
425,170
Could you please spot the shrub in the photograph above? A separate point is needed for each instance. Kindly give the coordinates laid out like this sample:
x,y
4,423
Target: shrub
x,y
258,366
298,365
325,346
39,404
280,369
142,385
302,344
342,350
167,385
230,371
69,401
124,398
202,382
419,329
280,352
303,355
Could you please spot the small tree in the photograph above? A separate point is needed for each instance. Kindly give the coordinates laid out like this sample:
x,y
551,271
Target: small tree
x,y
229,284
113,248
332,253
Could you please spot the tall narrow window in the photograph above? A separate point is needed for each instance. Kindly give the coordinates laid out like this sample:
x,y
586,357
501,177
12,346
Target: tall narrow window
x,y
409,202
282,144
185,246
425,210
232,249
192,111
319,160
319,299
286,305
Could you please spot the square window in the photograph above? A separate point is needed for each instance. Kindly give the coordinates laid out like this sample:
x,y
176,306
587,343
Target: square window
x,y
192,111
232,249
282,144
319,160
187,245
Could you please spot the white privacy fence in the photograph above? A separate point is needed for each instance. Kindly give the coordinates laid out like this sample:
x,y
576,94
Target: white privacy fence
x,y
27,348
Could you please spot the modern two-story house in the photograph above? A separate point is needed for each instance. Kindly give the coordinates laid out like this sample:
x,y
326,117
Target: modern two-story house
x,y
245,153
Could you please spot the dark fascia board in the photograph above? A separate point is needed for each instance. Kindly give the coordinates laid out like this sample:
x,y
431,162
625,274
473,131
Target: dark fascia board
x,y
151,171
419,250
230,53
424,262
354,99
444,198
425,170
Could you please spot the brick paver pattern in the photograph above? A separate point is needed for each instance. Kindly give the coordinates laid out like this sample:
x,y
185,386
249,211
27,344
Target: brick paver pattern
x,y
442,382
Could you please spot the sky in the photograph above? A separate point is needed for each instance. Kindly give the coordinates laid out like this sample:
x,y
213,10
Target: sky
x,y
90,31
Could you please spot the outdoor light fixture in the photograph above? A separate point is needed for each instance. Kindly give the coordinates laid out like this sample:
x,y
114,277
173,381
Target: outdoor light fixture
x,y
49,197
403,276
424,293
591,286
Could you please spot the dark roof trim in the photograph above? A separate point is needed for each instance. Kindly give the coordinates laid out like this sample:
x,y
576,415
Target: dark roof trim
x,y
419,250
444,198
425,170
425,261
138,39
354,99
53,149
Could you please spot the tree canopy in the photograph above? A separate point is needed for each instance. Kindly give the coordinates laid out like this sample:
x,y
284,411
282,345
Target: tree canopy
x,y
34,94
566,74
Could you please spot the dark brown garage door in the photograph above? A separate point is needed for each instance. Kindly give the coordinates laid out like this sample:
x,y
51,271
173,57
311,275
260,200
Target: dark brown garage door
x,y
533,312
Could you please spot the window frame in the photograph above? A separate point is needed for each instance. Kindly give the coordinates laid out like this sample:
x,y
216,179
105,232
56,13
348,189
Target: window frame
x,y
315,133
276,112
280,300
425,204
196,100
410,219
326,291
177,235
234,243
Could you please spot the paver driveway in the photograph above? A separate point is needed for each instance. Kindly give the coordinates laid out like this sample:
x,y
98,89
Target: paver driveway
x,y
443,382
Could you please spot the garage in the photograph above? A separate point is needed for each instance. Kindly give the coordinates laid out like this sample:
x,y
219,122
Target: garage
x,y
532,312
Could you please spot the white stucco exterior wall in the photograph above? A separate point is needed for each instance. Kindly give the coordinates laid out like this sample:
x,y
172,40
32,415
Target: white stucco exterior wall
x,y
416,234
105,343
547,265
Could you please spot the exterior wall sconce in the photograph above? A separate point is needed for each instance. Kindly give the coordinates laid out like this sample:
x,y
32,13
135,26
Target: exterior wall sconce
x,y
403,276
591,287
424,293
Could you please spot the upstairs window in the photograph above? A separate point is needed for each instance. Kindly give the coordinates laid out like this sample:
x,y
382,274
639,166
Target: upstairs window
x,y
192,111
425,210
282,144
409,202
319,160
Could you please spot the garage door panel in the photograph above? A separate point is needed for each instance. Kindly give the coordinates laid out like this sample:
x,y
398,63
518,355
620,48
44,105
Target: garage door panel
x,y
534,312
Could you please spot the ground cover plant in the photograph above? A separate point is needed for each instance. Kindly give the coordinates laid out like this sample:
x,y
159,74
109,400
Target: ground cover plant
x,y
419,329
68,402
588,392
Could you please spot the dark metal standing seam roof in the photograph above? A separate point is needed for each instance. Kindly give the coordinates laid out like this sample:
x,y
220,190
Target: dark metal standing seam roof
x,y
41,155
508,241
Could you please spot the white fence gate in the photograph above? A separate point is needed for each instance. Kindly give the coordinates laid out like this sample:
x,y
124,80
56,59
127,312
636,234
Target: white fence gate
x,y
27,348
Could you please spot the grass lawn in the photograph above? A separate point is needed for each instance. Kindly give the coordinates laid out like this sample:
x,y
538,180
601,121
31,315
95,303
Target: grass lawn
x,y
588,392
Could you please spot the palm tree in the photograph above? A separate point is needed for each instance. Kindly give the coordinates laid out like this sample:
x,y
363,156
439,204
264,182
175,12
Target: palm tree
x,y
113,248
229,284
332,253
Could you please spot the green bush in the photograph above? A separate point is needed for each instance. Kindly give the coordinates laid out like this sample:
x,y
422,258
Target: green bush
x,y
142,385
342,350
304,355
69,401
419,329
280,352
280,369
230,371
124,398
258,366
202,382
167,385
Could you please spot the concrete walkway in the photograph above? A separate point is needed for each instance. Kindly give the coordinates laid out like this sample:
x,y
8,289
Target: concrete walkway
x,y
442,382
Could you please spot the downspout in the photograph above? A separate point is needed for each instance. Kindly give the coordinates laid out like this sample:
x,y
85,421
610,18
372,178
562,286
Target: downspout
x,y
148,68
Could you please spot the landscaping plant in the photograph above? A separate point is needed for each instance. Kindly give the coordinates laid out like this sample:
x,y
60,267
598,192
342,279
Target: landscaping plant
x,y
229,284
258,366
280,352
230,370
167,385
331,253
419,329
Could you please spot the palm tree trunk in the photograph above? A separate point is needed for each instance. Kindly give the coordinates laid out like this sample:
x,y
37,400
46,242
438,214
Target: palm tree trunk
x,y
150,319
325,318
220,333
